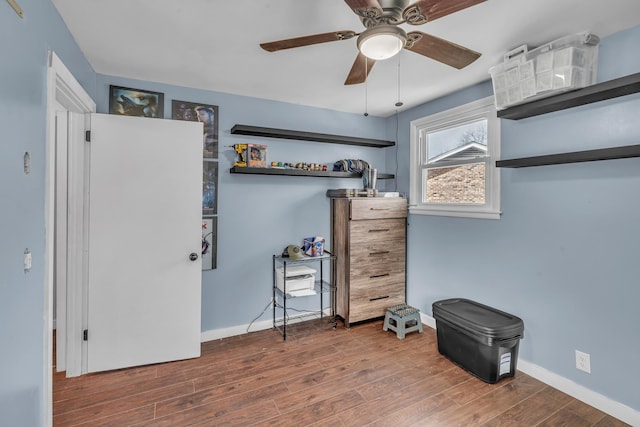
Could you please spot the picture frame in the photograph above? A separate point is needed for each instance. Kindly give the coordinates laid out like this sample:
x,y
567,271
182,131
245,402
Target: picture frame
x,y
127,101
256,155
209,188
209,243
205,113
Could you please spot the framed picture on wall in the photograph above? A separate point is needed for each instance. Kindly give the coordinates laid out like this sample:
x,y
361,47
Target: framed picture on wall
x,y
209,188
257,155
209,243
135,102
205,113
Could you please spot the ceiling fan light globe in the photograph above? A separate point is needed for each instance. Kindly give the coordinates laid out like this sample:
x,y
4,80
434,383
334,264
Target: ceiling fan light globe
x,y
381,42
381,46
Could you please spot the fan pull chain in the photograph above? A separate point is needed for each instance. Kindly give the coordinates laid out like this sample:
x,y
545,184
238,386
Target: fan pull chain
x,y
366,66
399,103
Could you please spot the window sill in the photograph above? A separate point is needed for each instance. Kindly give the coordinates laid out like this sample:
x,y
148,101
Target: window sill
x,y
416,210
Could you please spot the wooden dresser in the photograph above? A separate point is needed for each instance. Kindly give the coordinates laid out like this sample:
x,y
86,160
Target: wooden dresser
x,y
368,236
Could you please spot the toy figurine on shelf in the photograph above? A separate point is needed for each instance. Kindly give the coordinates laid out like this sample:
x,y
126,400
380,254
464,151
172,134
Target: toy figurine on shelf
x,y
300,165
241,155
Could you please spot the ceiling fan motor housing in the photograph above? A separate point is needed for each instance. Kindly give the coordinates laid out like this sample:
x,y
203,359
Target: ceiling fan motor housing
x,y
391,13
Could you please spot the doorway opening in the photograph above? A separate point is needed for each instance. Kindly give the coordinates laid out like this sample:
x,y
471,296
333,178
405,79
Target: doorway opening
x,y
65,95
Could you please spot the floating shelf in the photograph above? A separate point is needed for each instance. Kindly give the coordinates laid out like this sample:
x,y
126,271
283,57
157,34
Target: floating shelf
x,y
573,157
594,93
599,92
301,172
309,136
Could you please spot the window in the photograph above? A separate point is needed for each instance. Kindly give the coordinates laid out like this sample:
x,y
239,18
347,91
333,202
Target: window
x,y
453,156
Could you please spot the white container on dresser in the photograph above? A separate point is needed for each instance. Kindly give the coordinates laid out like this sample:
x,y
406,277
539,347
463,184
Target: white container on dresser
x,y
369,240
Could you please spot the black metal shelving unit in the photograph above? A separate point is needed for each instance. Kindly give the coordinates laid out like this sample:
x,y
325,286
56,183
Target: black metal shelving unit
x,y
324,284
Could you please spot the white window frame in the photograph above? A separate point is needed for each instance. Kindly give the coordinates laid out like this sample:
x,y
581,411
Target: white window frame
x,y
473,111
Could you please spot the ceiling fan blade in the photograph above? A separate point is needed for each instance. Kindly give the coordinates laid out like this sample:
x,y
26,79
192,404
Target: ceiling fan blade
x,y
365,8
360,70
307,40
441,50
424,11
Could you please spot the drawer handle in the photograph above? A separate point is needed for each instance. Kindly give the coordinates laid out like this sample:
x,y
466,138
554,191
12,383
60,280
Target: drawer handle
x,y
378,253
379,230
378,298
379,209
378,275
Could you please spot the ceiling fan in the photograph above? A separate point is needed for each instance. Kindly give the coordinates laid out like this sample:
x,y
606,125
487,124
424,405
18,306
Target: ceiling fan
x,y
383,37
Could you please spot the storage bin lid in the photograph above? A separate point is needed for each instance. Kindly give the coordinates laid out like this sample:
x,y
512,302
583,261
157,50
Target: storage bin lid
x,y
478,318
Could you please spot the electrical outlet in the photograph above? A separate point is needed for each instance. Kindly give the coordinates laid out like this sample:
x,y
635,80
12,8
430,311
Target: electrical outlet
x,y
583,361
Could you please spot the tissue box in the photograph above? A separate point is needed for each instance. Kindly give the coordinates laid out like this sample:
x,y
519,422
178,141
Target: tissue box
x,y
565,64
299,278
313,246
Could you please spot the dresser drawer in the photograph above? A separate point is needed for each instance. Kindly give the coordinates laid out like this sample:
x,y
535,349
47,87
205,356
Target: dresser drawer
x,y
364,254
375,292
363,276
376,229
367,303
377,208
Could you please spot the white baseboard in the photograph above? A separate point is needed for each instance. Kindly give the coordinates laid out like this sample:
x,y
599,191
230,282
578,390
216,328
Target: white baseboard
x,y
428,320
217,334
590,397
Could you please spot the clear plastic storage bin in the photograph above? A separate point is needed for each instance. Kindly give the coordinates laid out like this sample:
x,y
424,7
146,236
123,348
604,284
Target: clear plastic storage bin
x,y
565,64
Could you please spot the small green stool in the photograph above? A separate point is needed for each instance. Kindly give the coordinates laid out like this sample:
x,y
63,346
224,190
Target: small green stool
x,y
402,319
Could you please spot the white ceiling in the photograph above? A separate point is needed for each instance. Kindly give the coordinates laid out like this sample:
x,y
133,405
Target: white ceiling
x,y
214,45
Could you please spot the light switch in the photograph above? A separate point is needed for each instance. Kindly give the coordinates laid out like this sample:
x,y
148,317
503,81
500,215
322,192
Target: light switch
x,y
27,260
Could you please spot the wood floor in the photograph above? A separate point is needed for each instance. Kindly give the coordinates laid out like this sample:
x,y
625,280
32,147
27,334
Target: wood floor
x,y
360,376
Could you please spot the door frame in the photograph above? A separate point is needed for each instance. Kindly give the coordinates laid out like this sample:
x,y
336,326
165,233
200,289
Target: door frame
x,y
64,89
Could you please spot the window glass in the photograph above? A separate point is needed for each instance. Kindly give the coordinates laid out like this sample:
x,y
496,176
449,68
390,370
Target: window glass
x,y
460,142
453,156
456,184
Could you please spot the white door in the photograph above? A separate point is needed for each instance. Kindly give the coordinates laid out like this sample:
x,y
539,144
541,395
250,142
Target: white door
x,y
144,291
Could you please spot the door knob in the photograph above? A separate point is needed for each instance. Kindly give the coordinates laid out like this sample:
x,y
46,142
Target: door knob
x,y
193,256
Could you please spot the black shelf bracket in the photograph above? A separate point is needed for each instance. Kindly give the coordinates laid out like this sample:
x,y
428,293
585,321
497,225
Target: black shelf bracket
x,y
573,157
309,136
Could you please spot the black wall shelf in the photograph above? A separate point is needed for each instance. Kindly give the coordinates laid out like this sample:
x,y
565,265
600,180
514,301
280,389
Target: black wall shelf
x,y
301,172
573,157
598,92
309,136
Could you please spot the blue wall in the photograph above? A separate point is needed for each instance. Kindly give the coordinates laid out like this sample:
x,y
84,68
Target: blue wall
x,y
24,44
564,255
